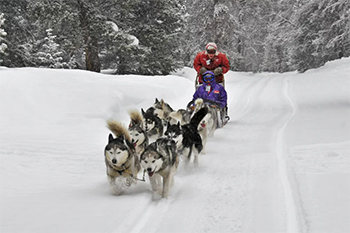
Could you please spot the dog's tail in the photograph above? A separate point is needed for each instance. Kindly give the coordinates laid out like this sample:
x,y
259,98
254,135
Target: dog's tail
x,y
135,117
118,129
198,116
199,101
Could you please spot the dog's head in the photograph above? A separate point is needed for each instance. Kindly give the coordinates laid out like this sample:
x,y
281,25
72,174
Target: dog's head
x,y
158,108
137,134
174,132
151,160
149,120
162,109
117,151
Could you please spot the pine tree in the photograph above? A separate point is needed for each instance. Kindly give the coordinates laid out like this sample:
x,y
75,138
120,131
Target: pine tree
x,y
50,54
157,25
19,36
3,45
281,32
62,17
323,33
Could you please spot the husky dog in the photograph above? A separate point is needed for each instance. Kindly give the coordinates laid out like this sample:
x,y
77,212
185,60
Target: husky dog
x,y
121,161
139,137
191,139
160,159
174,132
181,116
212,118
203,130
162,110
152,124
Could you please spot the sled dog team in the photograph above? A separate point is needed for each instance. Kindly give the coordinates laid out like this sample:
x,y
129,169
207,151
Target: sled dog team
x,y
154,141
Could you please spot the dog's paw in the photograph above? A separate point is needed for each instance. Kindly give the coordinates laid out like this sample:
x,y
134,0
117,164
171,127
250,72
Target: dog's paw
x,y
129,181
117,190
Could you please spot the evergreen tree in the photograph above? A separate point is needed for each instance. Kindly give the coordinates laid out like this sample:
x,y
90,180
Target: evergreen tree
x,y
157,25
281,32
3,45
323,33
19,36
50,54
62,17
200,28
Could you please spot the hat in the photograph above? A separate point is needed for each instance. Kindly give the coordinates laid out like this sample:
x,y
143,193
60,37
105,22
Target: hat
x,y
211,46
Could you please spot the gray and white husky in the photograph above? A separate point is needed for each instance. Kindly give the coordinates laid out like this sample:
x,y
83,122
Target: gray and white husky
x,y
160,160
162,110
180,115
121,161
138,135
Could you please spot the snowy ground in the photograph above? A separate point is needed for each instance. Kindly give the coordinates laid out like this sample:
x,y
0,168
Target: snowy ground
x,y
280,165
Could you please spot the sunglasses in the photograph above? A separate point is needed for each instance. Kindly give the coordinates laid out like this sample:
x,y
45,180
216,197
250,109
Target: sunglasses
x,y
211,51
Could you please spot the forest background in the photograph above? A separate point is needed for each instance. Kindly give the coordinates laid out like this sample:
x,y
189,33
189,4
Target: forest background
x,y
150,37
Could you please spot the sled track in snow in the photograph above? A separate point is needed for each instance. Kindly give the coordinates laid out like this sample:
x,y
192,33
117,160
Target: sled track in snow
x,y
281,154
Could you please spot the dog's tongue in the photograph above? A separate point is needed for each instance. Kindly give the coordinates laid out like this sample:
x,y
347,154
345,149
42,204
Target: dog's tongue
x,y
135,144
203,125
150,174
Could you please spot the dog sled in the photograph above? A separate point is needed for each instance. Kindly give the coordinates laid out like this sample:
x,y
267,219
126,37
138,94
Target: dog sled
x,y
218,113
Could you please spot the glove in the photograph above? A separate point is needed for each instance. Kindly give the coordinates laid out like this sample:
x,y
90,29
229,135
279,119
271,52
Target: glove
x,y
218,71
202,70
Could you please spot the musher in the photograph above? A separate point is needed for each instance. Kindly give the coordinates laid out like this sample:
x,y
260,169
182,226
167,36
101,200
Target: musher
x,y
211,60
213,94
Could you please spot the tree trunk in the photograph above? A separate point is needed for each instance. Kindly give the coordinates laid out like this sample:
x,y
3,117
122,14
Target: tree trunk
x,y
92,60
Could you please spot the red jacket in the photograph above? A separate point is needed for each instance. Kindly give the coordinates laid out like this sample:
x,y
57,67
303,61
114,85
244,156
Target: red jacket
x,y
219,60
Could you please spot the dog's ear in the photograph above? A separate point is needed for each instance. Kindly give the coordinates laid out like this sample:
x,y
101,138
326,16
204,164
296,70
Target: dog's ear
x,y
162,102
132,123
110,137
157,101
168,124
121,137
142,111
158,147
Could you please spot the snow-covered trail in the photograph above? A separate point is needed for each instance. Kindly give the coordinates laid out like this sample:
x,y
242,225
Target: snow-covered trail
x,y
280,165
264,110
245,170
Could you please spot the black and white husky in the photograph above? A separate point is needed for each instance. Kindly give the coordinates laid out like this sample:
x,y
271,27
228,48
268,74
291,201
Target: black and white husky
x,y
121,161
191,141
160,160
174,132
211,118
138,135
152,124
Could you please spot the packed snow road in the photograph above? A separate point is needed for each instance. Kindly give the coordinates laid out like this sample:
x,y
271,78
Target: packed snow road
x,y
242,183
280,165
